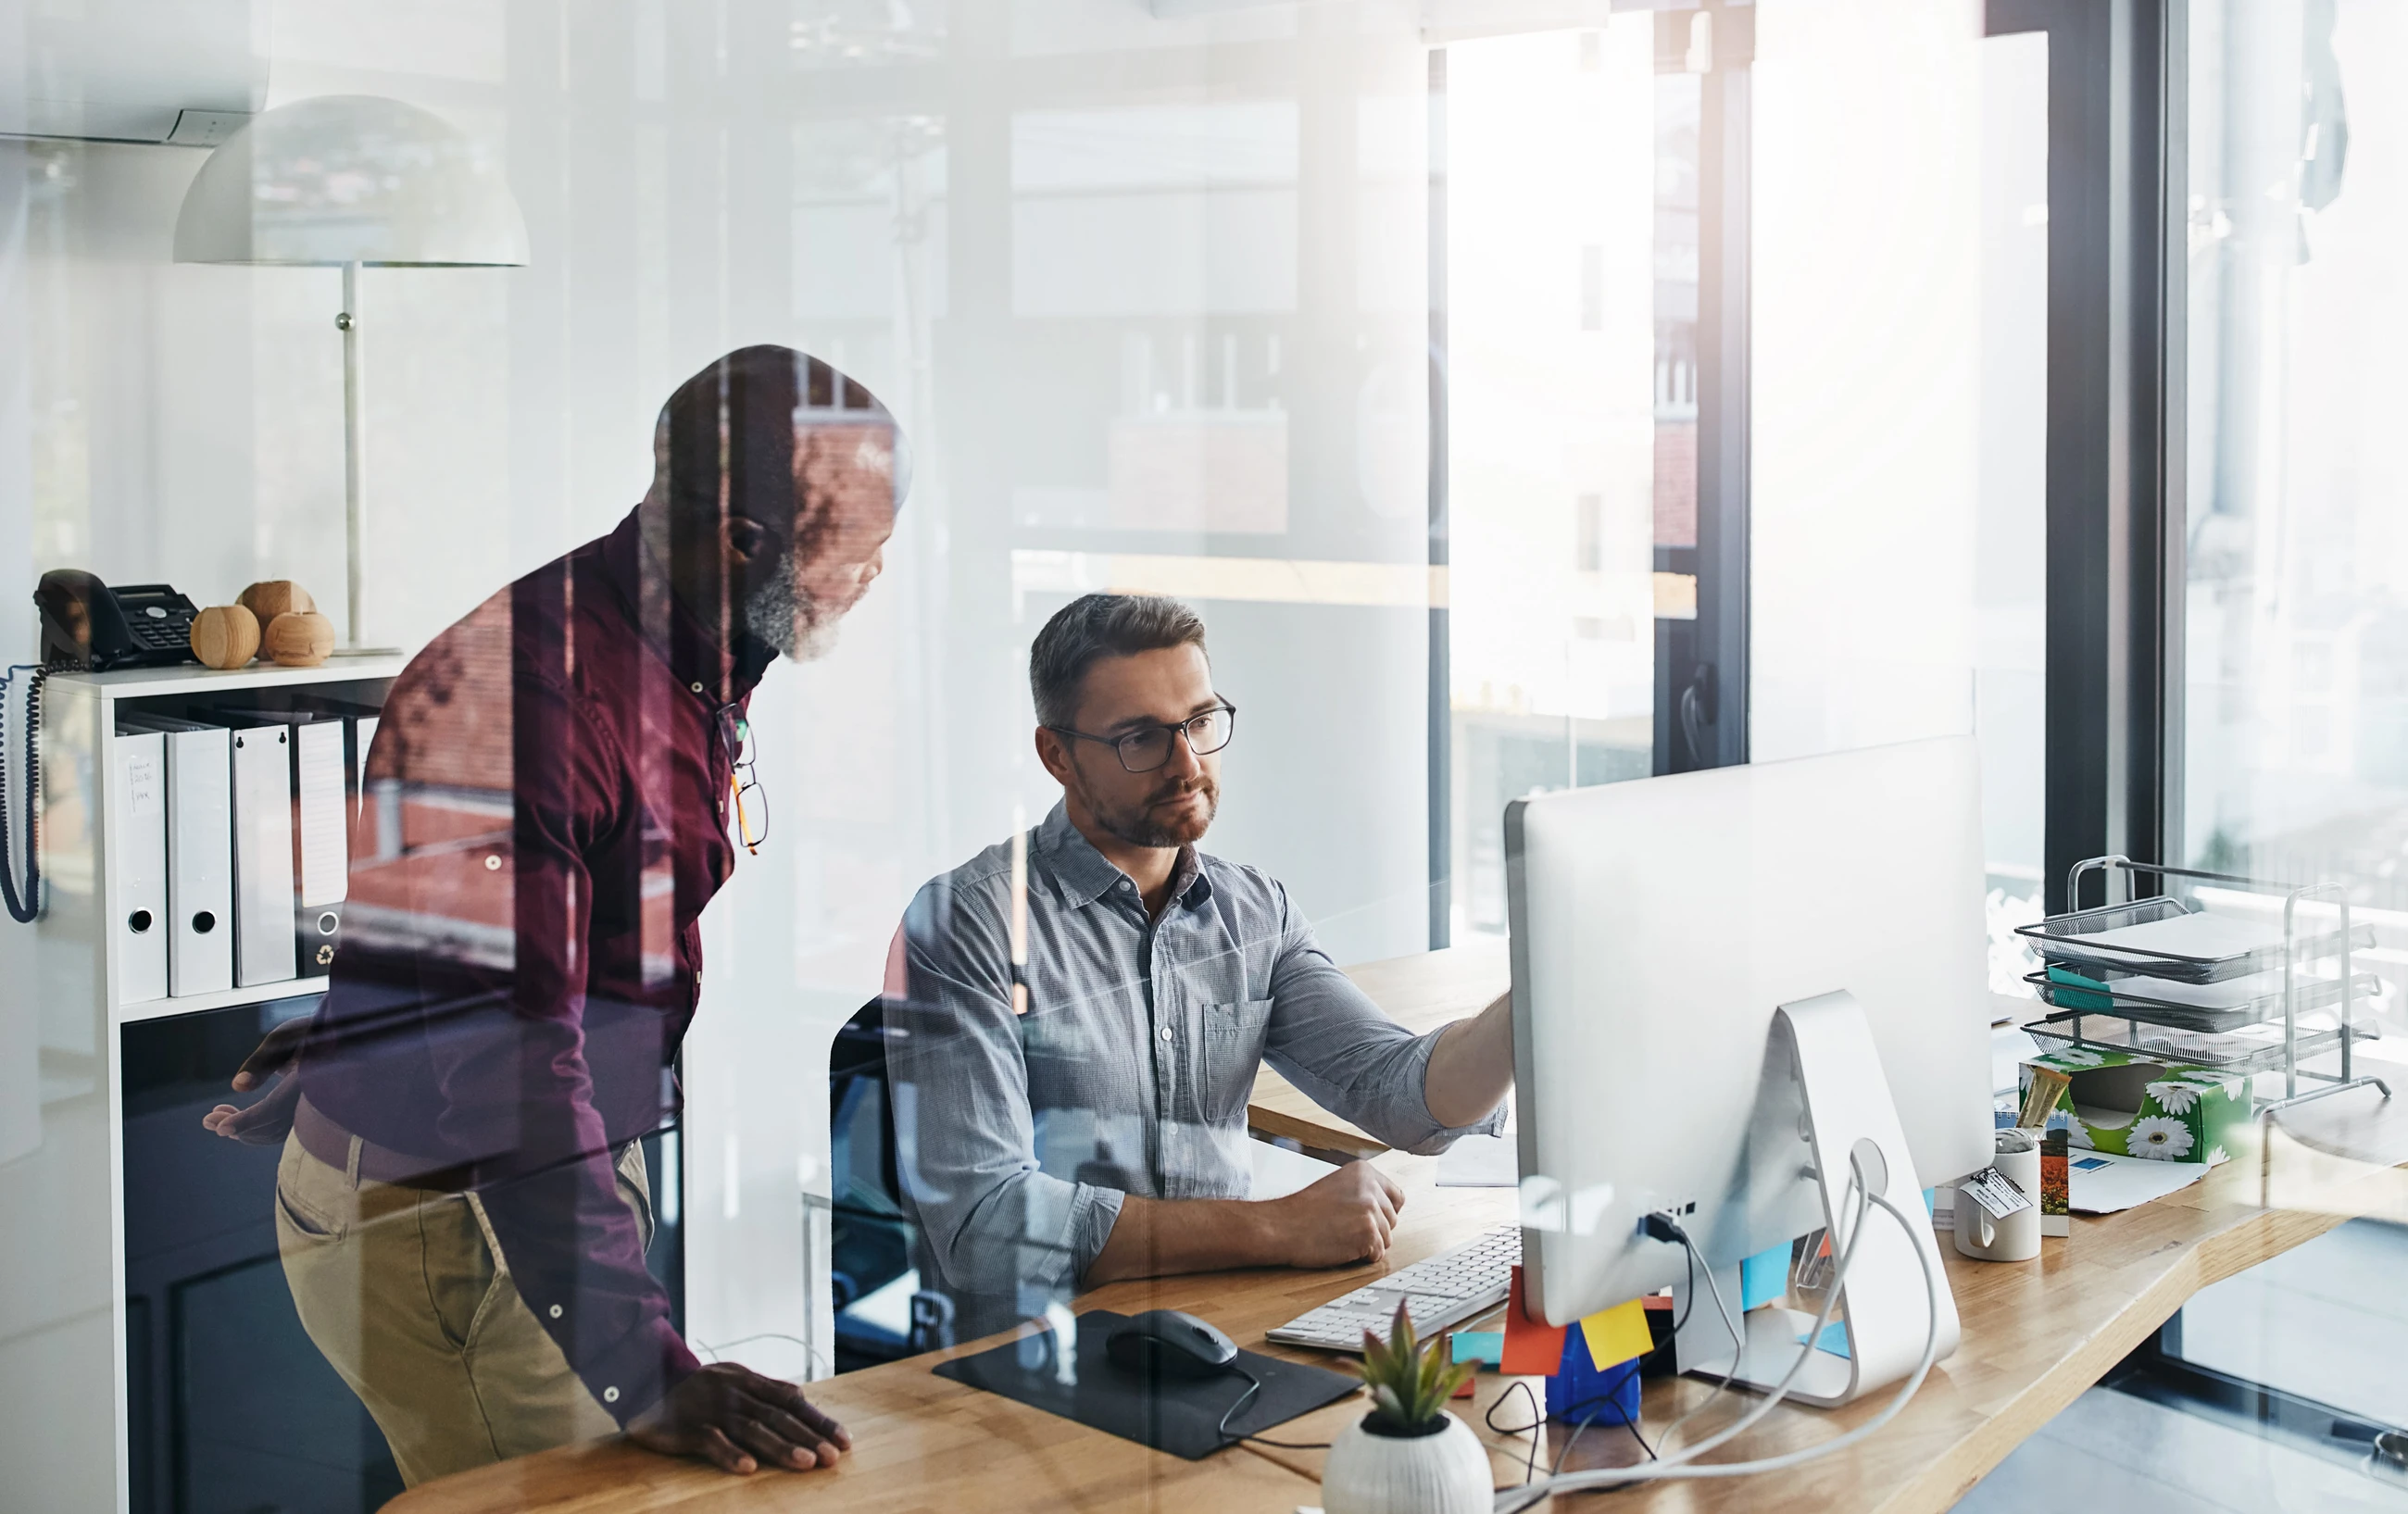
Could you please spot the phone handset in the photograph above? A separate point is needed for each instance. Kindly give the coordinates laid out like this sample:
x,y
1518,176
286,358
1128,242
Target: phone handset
x,y
22,909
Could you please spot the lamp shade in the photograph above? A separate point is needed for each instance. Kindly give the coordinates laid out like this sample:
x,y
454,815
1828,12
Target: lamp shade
x,y
350,178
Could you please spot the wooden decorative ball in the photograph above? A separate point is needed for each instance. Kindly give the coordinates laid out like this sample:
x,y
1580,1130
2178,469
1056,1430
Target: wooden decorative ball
x,y
273,597
300,638
225,635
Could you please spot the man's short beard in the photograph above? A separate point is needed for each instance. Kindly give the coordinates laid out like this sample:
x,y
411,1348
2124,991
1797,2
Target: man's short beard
x,y
781,613
1136,825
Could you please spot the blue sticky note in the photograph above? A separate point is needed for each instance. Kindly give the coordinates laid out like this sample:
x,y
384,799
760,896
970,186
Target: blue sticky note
x,y
1835,1339
1487,1347
2091,1163
1764,1276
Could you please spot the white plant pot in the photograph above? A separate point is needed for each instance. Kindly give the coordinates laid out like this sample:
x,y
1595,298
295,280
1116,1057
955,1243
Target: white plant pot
x,y
1444,1473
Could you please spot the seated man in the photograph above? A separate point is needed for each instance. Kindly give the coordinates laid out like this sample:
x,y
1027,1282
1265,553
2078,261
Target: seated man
x,y
1082,1117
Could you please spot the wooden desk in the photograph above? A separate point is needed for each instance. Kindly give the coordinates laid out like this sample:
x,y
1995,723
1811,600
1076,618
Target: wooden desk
x,y
2034,1335
1423,991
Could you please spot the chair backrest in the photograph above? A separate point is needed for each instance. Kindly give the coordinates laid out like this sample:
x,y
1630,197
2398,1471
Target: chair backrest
x,y
861,1106
873,1242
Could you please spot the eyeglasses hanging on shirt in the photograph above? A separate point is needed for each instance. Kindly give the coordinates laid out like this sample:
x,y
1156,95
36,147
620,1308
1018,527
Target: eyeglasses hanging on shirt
x,y
751,800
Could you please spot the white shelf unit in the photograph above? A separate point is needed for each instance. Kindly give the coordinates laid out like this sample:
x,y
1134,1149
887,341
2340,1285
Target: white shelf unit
x,y
78,1171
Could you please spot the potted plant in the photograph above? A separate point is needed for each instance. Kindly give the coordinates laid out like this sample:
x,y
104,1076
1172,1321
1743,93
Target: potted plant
x,y
1409,1455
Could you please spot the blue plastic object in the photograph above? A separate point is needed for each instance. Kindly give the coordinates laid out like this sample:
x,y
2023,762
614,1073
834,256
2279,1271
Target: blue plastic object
x,y
1764,1276
1579,1390
1485,1347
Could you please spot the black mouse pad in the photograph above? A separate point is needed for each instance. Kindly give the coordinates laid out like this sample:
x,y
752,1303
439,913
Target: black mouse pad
x,y
1177,1415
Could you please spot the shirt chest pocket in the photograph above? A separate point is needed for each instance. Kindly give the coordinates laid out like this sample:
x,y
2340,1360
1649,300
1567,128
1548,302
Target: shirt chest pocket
x,y
1233,1049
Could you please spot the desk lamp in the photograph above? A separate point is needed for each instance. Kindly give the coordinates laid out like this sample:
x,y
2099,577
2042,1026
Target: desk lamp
x,y
352,181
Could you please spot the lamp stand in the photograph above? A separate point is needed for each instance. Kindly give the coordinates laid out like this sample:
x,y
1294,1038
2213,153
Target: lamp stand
x,y
355,508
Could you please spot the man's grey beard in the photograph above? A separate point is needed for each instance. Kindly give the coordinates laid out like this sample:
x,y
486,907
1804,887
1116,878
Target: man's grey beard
x,y
781,613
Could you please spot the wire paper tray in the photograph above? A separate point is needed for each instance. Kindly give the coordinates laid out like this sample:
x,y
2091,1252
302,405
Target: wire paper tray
x,y
2165,938
2236,1055
2191,1007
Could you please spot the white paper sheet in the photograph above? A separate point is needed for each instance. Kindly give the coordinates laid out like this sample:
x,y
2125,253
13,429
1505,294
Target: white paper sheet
x,y
1278,1172
2101,1183
1480,1161
2203,934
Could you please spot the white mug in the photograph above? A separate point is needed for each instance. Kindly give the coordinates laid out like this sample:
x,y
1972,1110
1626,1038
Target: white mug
x,y
2015,1238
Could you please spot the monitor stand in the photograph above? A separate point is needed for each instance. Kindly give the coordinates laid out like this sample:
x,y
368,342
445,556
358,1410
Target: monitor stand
x,y
1835,1107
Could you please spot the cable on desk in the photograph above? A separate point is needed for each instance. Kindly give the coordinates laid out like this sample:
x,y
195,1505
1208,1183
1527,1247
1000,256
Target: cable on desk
x,y
1530,1465
1254,1386
1602,1404
1538,1421
1682,1463
1663,1226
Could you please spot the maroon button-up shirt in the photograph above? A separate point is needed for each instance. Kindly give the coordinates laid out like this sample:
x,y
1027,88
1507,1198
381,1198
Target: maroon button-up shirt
x,y
519,957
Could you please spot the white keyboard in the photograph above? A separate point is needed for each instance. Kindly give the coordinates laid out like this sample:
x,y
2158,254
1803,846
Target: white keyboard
x,y
1443,1291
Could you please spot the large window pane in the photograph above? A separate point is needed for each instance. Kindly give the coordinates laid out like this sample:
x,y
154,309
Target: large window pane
x,y
1551,426
2296,646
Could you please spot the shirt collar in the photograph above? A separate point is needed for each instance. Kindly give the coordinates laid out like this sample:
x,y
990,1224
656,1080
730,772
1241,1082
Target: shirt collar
x,y
719,671
1086,875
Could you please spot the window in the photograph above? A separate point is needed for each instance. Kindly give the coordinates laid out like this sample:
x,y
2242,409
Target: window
x,y
1588,527
2295,647
1550,404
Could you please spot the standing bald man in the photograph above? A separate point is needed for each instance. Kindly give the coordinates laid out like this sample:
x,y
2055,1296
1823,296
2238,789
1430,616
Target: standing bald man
x,y
462,1205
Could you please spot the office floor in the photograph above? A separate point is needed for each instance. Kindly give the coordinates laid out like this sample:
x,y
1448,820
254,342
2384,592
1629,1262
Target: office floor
x,y
2328,1321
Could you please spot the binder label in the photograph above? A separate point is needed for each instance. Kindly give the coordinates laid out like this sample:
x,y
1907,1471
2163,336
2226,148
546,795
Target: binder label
x,y
145,788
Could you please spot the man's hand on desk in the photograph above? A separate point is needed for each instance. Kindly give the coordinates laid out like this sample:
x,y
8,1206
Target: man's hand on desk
x,y
1343,1219
738,1420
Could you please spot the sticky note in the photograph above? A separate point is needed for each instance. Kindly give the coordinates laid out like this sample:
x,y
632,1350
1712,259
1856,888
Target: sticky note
x,y
1764,1276
1531,1349
1487,1347
1617,1334
1835,1339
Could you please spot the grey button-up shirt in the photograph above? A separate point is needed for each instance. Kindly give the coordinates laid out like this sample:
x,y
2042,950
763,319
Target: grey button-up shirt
x,y
1018,1135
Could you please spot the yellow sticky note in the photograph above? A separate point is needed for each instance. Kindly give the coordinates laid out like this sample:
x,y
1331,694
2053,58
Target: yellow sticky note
x,y
1617,1334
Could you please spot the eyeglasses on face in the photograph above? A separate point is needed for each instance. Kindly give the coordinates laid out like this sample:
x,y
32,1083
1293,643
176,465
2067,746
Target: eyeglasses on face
x,y
1148,747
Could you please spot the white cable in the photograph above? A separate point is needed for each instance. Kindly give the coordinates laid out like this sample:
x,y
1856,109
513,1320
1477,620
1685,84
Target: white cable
x,y
1813,1333
1679,1466
1738,1342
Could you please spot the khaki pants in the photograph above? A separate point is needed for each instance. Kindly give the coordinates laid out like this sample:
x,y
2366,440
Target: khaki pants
x,y
409,1297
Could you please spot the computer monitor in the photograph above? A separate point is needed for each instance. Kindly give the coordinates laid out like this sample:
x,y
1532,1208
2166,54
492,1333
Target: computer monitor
x,y
1657,927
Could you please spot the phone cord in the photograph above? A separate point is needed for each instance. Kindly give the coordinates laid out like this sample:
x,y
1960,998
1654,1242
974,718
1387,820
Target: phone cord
x,y
23,910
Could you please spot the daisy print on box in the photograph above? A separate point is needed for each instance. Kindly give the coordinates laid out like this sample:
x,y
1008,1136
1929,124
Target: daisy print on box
x,y
2159,1138
2174,1098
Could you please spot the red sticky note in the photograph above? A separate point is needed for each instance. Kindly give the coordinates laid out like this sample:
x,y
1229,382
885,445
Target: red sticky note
x,y
1531,1349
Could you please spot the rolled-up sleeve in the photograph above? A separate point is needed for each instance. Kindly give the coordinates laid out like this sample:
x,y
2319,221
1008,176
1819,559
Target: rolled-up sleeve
x,y
1330,1041
992,1222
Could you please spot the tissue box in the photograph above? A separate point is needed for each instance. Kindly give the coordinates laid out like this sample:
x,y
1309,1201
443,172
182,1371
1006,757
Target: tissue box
x,y
2130,1106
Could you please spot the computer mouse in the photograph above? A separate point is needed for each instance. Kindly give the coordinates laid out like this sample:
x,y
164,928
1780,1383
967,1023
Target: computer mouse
x,y
1164,1343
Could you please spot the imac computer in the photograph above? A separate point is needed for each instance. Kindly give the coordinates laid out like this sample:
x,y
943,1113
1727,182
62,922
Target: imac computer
x,y
1732,991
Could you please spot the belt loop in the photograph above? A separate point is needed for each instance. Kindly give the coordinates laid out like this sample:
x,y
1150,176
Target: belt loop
x,y
351,1163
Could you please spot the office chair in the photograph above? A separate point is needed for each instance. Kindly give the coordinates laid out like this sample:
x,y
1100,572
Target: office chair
x,y
881,1314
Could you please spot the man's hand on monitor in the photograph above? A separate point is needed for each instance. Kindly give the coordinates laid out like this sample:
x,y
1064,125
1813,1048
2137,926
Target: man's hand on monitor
x,y
1345,1218
268,1122
739,1420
